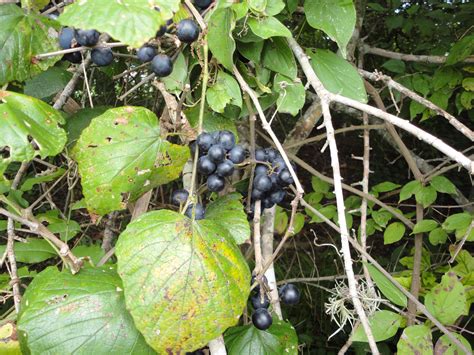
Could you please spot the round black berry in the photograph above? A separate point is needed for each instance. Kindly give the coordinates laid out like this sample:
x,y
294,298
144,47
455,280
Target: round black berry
x,y
205,165
162,65
260,154
161,31
74,57
258,302
65,37
257,194
203,4
87,38
261,319
205,141
226,168
179,197
215,183
261,170
267,203
146,54
271,154
262,183
216,153
237,154
215,135
226,140
187,31
199,211
102,56
289,294
284,177
277,196
278,164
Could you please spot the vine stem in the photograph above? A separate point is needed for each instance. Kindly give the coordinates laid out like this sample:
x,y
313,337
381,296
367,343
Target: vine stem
x,y
78,49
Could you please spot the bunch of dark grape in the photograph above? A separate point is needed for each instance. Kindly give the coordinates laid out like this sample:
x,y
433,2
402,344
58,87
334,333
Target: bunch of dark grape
x,y
180,197
261,317
218,155
270,178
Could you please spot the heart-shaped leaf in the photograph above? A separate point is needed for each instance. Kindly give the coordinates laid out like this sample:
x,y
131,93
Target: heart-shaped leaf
x,y
83,313
280,338
185,282
29,127
121,156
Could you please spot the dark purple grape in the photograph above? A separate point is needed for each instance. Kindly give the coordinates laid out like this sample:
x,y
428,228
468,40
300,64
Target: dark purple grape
x,y
226,140
205,165
261,169
179,197
216,153
65,37
187,31
199,212
146,54
262,183
102,56
267,203
277,196
257,194
271,154
237,154
162,65
226,168
74,57
261,319
258,302
289,294
87,38
203,4
260,154
205,141
284,178
215,183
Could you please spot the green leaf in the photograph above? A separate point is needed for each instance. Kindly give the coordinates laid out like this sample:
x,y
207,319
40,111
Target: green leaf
x,y
446,76
384,325
468,84
336,18
298,223
337,75
457,221
426,195
466,99
382,217
385,187
409,189
45,176
394,232
461,50
416,339
421,83
425,225
278,57
251,50
395,66
22,37
274,7
387,288
292,95
438,236
9,344
94,252
228,212
443,185
224,91
281,220
213,121
84,313
329,212
257,5
47,83
444,345
117,18
447,300
319,185
125,146
24,117
67,229
268,27
219,37
280,338
180,276
33,251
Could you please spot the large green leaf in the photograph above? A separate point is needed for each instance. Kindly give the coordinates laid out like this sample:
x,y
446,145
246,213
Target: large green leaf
x,y
280,338
33,251
268,27
416,339
337,75
384,325
220,40
228,212
76,123
47,83
121,155
277,56
336,18
394,232
81,314
447,300
133,22
387,288
224,91
22,36
23,119
445,346
185,282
